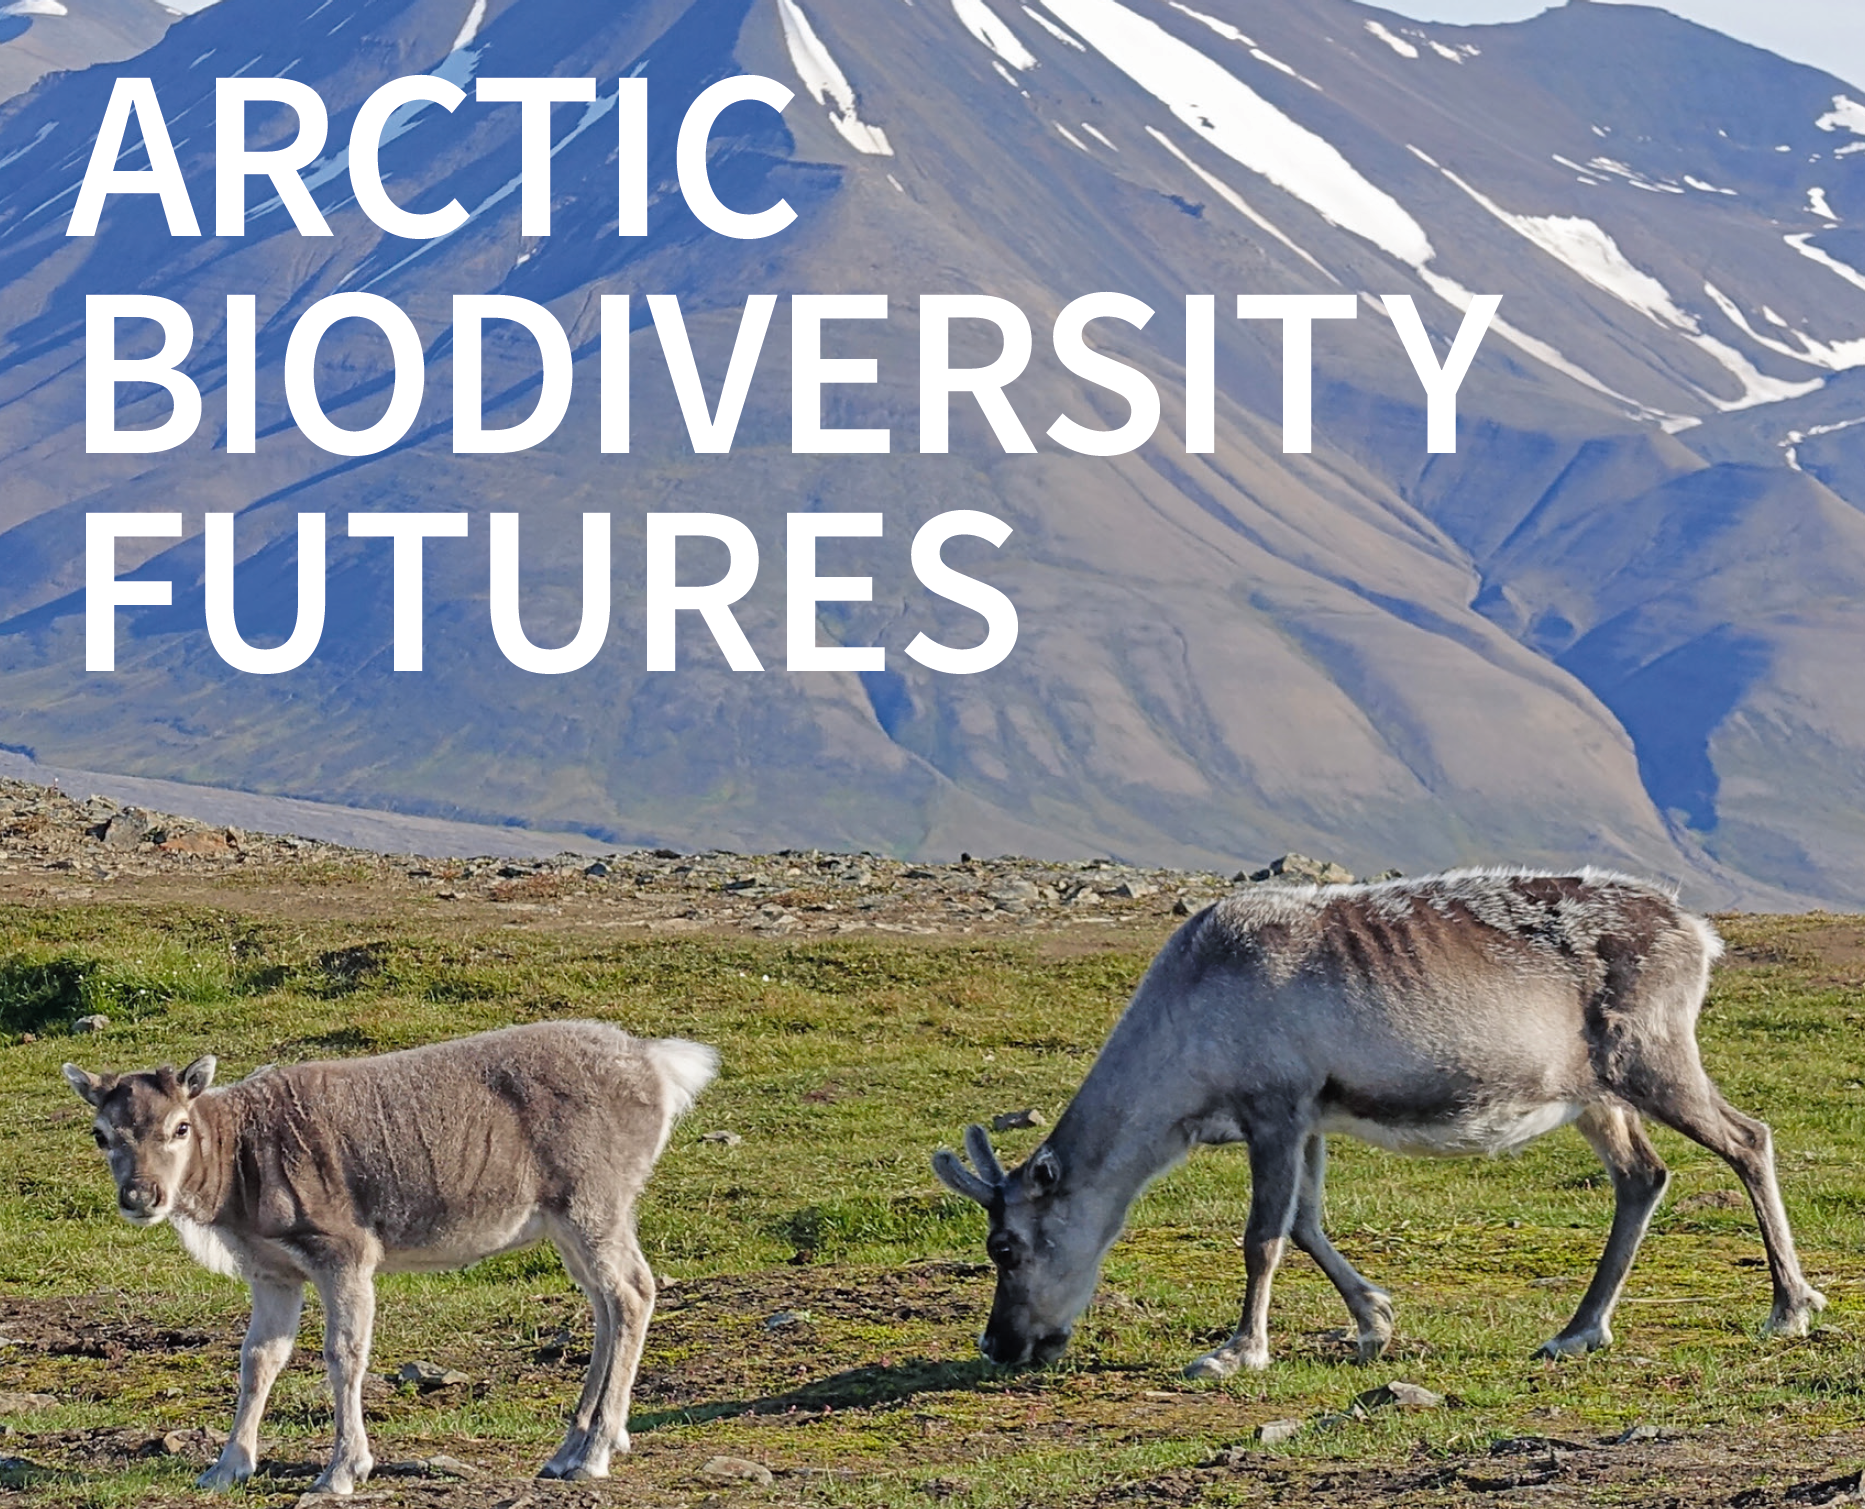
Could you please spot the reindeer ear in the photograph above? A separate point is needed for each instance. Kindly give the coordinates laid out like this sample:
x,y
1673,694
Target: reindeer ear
x,y
1045,1170
959,1179
978,1144
90,1087
199,1075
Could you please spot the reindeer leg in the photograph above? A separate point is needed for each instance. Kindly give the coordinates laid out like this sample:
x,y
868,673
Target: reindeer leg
x,y
1638,1182
578,1248
270,1337
630,1286
1689,1102
348,1293
1370,1306
1275,1183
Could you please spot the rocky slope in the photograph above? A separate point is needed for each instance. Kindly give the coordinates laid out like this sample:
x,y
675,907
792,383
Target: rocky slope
x,y
58,847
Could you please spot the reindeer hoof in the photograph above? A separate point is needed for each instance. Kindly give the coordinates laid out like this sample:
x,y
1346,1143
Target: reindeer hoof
x,y
344,1478
1221,1364
1576,1345
1375,1329
222,1476
1795,1320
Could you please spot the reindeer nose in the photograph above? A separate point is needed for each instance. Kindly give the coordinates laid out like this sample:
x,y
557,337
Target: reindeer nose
x,y
139,1196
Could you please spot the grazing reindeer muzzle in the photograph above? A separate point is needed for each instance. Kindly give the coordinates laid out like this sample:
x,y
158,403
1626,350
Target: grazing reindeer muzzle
x,y
1040,1283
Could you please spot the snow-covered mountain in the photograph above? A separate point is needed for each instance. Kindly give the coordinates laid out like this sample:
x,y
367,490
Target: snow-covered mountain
x,y
1620,624
38,37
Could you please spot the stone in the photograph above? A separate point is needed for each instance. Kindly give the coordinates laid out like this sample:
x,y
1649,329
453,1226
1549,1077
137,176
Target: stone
x,y
1638,1433
1008,1121
597,871
785,1318
18,1402
724,1139
125,830
1181,908
1134,890
737,1469
427,1375
1402,1395
441,1465
1299,869
1275,1432
95,1022
205,842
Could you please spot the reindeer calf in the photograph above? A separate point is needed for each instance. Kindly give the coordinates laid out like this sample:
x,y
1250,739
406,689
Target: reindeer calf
x,y
431,1158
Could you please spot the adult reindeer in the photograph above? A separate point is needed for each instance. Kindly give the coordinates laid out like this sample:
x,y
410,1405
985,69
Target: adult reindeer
x,y
1456,1014
431,1158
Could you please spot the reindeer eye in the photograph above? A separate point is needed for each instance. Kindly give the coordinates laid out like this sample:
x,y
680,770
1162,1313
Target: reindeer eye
x,y
1003,1250
99,1138
181,1130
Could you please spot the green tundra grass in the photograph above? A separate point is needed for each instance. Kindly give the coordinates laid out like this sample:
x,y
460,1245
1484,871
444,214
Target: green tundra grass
x,y
845,1064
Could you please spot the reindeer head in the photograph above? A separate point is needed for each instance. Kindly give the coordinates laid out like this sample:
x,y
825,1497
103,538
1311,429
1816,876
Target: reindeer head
x,y
1046,1241
144,1128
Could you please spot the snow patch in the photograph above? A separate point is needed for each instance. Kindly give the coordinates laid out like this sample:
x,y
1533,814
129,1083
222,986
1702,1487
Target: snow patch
x,y
1055,31
19,152
1849,148
1838,356
1705,188
1071,138
1803,243
826,82
1459,297
1398,44
1445,52
1816,202
1244,126
984,24
1091,129
1236,201
1631,175
1222,28
1226,30
1588,251
1846,115
1008,77
475,18
34,8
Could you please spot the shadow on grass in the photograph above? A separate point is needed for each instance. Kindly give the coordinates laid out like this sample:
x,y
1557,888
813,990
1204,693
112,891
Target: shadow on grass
x,y
855,1388
35,995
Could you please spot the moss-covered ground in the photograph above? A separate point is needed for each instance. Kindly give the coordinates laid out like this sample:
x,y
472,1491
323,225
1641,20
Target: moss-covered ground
x,y
846,1063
